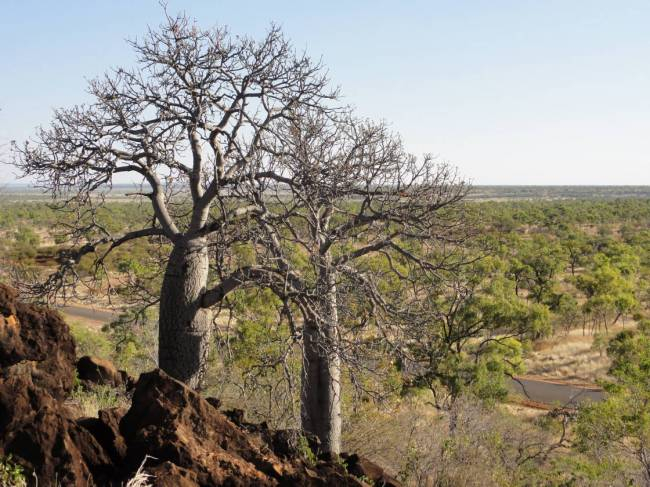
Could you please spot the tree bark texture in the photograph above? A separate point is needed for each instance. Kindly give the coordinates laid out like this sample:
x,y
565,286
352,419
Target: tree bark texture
x,y
185,328
321,373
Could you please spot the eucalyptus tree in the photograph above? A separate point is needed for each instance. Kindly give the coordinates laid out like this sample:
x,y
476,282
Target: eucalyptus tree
x,y
608,290
349,216
187,122
465,332
618,427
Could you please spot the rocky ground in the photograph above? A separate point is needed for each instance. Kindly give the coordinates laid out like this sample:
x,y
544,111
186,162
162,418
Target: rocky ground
x,y
185,438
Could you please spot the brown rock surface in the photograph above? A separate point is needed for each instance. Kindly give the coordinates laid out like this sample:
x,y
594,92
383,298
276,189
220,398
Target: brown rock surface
x,y
40,435
168,474
99,371
35,341
106,430
364,468
194,444
197,445
171,422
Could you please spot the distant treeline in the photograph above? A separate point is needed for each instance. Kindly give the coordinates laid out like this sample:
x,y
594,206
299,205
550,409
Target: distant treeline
x,y
558,192
506,215
501,215
20,192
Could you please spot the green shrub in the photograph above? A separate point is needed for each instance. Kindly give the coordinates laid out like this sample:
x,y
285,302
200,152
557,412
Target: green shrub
x,y
11,474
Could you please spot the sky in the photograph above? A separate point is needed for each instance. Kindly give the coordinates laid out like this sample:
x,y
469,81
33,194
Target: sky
x,y
510,92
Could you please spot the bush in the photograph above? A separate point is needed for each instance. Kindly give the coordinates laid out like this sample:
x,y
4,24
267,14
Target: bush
x,y
11,474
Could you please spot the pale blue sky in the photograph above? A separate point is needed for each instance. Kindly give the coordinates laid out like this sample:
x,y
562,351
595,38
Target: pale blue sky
x,y
512,92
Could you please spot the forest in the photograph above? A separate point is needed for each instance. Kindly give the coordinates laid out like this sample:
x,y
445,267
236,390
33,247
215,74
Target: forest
x,y
432,400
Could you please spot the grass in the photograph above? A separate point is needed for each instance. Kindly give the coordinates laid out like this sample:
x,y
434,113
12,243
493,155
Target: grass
x,y
141,478
90,402
89,341
572,357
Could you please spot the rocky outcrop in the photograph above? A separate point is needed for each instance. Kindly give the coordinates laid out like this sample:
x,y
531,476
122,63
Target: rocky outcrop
x,y
37,360
197,444
171,422
96,371
35,342
363,468
106,430
184,439
41,435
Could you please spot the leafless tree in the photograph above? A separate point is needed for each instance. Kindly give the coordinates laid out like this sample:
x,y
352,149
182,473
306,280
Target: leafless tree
x,y
349,195
189,122
236,140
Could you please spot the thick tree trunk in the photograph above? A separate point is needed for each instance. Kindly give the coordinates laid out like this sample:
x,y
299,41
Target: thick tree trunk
x,y
321,373
185,328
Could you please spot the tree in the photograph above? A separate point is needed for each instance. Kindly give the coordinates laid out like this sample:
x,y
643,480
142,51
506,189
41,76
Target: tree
x,y
566,311
621,422
237,144
542,259
467,331
608,290
350,195
576,246
189,122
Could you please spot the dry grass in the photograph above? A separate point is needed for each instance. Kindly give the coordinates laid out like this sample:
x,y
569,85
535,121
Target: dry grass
x,y
571,357
417,444
141,478
87,403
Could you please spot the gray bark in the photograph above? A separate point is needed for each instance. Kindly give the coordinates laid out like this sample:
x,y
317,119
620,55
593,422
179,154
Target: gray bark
x,y
185,328
321,373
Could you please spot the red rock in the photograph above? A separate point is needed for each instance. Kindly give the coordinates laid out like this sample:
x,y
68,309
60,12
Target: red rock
x,y
39,435
193,443
362,467
35,341
98,371
106,430
168,474
171,422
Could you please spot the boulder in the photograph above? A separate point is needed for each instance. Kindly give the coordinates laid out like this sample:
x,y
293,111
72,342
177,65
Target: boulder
x,y
106,430
291,443
363,468
35,342
171,422
97,371
37,360
38,432
286,443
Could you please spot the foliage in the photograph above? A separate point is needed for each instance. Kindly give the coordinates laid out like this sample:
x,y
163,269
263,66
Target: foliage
x,y
593,263
470,334
621,423
608,288
305,451
11,474
133,340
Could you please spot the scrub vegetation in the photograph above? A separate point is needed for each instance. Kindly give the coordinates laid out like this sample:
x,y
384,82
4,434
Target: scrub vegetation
x,y
548,281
